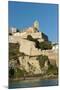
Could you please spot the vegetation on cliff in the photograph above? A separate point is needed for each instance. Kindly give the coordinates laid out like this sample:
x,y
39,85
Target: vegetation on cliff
x,y
40,45
52,70
13,51
42,60
16,72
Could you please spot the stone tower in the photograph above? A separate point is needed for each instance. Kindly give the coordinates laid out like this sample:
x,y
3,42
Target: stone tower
x,y
36,25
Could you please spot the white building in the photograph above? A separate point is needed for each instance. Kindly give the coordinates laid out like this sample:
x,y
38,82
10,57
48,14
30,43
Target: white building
x,y
12,30
55,47
19,34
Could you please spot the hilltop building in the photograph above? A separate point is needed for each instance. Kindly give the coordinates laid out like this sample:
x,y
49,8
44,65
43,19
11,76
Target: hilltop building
x,y
55,46
36,26
32,31
12,30
30,47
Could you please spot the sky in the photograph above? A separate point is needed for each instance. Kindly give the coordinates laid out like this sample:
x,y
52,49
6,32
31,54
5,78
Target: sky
x,y
23,14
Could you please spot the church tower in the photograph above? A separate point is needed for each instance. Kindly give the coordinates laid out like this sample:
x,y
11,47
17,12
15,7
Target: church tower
x,y
36,26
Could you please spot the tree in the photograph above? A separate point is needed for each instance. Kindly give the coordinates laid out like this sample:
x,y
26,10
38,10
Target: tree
x,y
17,30
10,34
42,60
29,37
43,45
11,72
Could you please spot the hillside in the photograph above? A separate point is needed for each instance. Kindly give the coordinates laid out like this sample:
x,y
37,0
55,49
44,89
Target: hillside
x,y
31,55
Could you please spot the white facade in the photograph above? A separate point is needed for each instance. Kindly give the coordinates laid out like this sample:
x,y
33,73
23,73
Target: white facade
x,y
12,30
19,34
55,47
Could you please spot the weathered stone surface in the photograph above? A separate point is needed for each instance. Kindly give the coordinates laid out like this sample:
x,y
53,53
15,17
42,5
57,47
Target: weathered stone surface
x,y
34,66
30,65
24,63
12,39
28,47
41,40
37,35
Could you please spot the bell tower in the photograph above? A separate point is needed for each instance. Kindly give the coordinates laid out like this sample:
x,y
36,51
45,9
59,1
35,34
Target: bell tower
x,y
36,26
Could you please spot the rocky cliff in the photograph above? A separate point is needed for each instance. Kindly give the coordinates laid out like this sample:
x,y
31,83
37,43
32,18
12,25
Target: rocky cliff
x,y
25,56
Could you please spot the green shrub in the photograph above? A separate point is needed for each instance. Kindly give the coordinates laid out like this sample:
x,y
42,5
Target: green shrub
x,y
42,60
17,30
52,69
40,45
11,72
19,73
29,37
10,34
37,44
43,45
13,51
13,55
15,73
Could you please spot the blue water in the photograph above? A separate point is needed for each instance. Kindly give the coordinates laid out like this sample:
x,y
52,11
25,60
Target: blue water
x,y
32,83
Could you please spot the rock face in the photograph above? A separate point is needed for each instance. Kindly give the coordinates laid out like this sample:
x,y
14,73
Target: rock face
x,y
26,46
29,61
31,65
37,35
